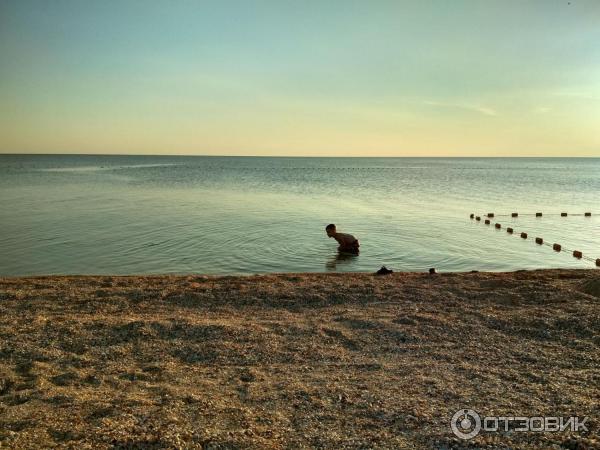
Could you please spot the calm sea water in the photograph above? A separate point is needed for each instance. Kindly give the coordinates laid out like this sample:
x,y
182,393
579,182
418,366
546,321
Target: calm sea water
x,y
229,215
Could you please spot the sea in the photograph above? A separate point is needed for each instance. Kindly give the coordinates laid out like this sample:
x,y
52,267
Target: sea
x,y
125,215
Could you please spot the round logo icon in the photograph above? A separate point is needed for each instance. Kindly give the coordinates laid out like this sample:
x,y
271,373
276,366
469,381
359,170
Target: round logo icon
x,y
465,423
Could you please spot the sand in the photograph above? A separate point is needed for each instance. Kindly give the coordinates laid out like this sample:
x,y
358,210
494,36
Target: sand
x,y
296,360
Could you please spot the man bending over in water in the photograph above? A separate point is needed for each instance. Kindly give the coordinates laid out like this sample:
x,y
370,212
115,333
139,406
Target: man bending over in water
x,y
348,243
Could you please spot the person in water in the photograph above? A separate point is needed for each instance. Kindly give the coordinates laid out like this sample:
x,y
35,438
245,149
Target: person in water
x,y
348,243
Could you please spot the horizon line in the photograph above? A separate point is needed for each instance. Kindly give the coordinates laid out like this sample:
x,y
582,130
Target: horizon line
x,y
282,156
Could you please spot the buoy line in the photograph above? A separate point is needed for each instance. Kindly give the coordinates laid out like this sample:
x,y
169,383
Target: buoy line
x,y
539,240
536,214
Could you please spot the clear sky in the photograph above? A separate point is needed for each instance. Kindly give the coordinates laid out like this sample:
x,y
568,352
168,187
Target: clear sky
x,y
331,78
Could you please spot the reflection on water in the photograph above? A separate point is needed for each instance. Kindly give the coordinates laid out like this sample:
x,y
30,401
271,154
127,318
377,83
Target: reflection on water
x,y
340,260
132,214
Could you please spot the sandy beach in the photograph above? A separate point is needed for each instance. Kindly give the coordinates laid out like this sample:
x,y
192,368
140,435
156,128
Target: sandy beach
x,y
296,360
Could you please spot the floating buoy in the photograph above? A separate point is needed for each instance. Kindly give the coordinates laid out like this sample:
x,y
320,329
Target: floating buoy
x,y
539,240
509,230
487,221
432,271
490,214
538,214
577,254
557,247
524,235
563,214
477,218
472,215
588,214
498,226
515,214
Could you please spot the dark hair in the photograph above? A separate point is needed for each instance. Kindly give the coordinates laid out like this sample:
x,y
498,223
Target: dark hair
x,y
330,226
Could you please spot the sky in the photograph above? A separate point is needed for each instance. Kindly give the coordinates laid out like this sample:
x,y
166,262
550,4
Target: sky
x,y
309,78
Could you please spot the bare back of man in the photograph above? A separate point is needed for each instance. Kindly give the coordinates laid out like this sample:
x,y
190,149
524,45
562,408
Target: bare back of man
x,y
347,242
